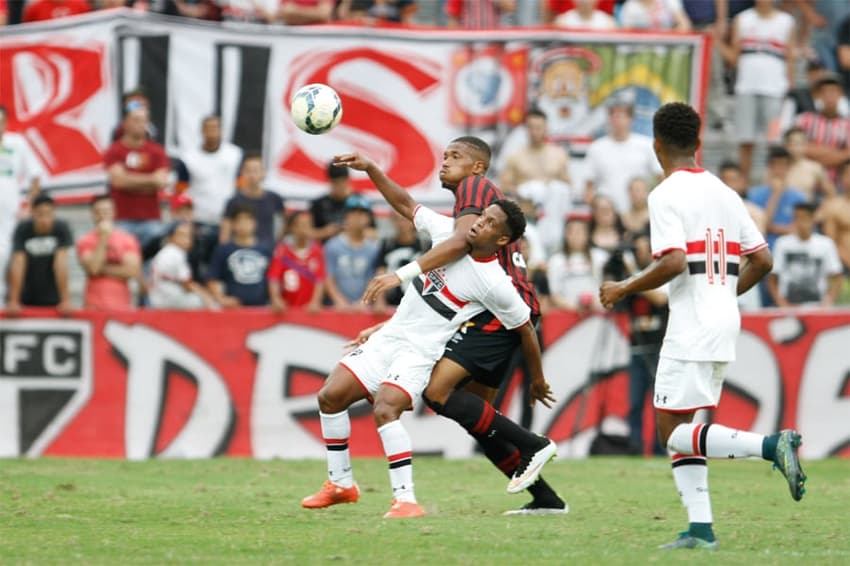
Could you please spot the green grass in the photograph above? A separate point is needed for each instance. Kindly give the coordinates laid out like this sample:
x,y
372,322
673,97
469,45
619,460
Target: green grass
x,y
243,511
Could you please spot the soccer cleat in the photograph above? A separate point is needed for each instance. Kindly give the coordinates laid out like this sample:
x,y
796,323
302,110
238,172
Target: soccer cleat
x,y
687,540
404,510
535,508
530,467
331,494
787,461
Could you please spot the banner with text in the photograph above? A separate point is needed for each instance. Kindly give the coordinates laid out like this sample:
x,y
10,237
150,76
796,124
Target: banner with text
x,y
405,93
242,383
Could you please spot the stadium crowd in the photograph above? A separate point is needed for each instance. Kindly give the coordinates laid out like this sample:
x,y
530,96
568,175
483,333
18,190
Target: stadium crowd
x,y
786,66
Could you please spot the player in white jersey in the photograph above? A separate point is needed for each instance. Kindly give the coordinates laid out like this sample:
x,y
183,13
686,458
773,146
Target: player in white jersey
x,y
393,366
709,250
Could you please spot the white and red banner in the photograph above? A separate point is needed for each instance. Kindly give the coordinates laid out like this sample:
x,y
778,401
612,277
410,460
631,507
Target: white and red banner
x,y
405,93
151,384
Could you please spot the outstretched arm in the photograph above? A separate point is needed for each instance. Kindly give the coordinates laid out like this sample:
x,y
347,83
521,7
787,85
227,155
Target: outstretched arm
x,y
396,196
539,388
658,273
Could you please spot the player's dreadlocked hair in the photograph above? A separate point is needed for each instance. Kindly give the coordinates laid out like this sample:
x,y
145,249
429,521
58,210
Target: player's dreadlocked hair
x,y
676,125
478,145
516,219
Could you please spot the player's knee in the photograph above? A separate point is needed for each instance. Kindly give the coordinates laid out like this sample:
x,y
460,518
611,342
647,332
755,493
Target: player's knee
x,y
432,404
385,412
329,401
436,397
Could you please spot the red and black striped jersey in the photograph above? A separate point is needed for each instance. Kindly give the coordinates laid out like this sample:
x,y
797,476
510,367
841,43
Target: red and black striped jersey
x,y
472,196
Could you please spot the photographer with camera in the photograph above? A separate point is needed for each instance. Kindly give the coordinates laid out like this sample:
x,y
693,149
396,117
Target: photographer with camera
x,y
648,314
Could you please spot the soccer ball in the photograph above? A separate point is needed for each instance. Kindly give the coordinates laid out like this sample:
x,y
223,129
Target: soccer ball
x,y
316,108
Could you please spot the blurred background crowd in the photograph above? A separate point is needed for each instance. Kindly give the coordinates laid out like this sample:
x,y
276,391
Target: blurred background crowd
x,y
199,229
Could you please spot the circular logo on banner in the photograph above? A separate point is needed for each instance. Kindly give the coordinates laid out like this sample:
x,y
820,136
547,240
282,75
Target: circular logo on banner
x,y
483,86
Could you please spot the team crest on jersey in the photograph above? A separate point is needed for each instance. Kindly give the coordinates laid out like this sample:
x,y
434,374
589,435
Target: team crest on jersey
x,y
434,282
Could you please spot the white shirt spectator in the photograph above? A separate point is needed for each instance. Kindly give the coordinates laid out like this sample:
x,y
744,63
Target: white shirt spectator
x,y
212,180
575,277
803,267
658,15
762,67
613,164
169,272
598,20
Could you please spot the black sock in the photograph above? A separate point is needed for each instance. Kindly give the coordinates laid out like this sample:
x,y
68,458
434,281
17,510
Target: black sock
x,y
480,419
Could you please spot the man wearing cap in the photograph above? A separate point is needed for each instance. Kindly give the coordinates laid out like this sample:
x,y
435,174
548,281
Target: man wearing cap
x,y
351,256
266,204
616,159
827,131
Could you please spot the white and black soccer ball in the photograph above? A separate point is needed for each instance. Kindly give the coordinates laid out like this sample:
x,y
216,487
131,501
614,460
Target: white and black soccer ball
x,y
316,108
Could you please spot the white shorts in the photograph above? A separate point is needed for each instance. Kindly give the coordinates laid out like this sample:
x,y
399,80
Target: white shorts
x,y
682,386
386,359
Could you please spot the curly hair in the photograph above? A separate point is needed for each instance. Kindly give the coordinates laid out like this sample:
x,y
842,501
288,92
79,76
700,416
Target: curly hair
x,y
676,125
516,218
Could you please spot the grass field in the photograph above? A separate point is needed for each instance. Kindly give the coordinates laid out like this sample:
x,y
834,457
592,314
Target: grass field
x,y
242,511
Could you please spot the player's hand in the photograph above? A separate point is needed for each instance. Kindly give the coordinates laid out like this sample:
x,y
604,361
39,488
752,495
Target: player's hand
x,y
610,292
379,285
64,308
353,160
362,337
13,310
541,391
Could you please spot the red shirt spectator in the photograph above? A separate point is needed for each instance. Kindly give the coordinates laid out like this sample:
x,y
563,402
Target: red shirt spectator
x,y
138,169
297,271
43,10
827,131
551,9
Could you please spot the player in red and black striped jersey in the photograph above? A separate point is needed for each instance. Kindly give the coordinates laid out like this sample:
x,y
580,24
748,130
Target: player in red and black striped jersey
x,y
482,350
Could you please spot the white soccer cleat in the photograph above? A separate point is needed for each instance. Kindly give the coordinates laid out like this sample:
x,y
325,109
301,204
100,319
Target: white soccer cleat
x,y
530,468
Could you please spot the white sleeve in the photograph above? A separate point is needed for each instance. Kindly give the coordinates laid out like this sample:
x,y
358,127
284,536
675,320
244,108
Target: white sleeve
x,y
665,226
751,239
833,262
437,226
504,301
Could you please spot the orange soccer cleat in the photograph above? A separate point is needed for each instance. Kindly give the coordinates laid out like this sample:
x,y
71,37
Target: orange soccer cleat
x,y
404,510
331,494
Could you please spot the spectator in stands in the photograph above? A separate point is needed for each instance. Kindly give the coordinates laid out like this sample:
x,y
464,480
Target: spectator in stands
x,y
538,161
351,257
806,174
648,313
237,271
575,273
777,198
806,267
762,50
19,170
836,216
134,100
296,276
536,239
329,210
303,12
402,248
821,22
4,13
110,257
654,15
43,10
636,219
730,173
550,10
536,274
198,9
827,131
210,172
172,286
137,169
254,11
38,274
478,14
617,158
606,227
267,204
712,18
585,15
182,210
843,52
371,12
802,99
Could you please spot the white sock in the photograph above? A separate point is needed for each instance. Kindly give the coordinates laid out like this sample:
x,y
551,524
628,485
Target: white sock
x,y
336,429
398,448
715,441
691,476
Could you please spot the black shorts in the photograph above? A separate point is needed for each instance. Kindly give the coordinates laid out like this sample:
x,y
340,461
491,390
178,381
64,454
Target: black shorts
x,y
487,356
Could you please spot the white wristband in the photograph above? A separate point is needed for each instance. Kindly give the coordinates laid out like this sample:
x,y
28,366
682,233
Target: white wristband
x,y
409,272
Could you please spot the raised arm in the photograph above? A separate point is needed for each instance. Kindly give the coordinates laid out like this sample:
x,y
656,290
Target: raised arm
x,y
396,196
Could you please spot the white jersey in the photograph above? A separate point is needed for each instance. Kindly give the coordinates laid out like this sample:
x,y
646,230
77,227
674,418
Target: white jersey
x,y
765,44
169,271
18,166
212,180
693,211
439,301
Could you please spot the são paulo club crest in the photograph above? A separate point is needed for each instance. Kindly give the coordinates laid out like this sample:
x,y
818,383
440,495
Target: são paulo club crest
x,y
434,282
